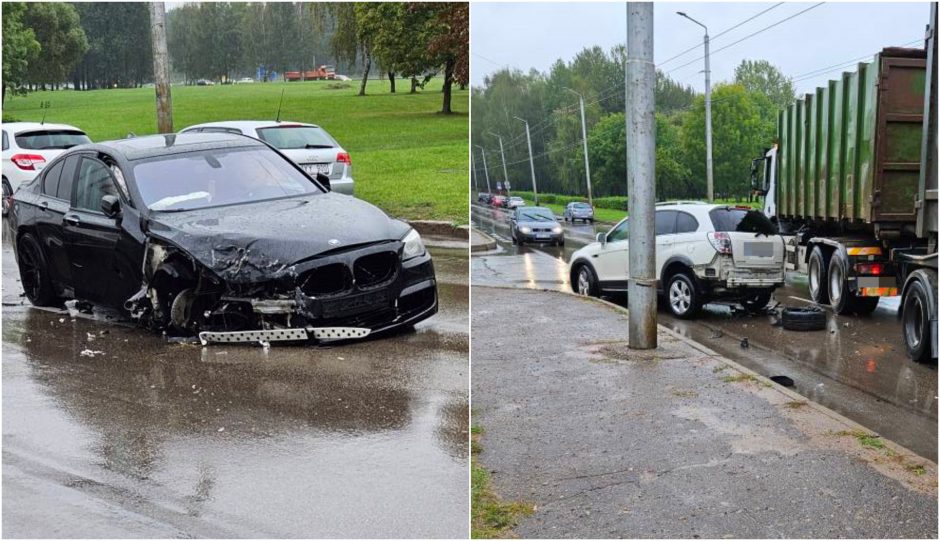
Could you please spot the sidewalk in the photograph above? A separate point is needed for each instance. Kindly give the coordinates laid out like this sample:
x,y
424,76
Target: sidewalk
x,y
678,442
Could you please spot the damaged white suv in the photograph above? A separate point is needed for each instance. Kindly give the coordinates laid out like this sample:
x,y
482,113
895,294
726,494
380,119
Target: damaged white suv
x,y
704,253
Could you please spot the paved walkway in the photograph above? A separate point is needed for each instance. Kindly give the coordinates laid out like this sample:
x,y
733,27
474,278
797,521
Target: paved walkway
x,y
679,442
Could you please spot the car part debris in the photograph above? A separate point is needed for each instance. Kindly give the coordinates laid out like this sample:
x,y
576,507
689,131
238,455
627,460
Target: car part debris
x,y
803,319
782,380
284,335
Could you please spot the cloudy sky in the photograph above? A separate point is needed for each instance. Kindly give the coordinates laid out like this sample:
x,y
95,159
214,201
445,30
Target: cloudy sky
x,y
534,35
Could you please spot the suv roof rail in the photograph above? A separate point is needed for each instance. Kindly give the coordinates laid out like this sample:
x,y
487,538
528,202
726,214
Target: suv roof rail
x,y
666,203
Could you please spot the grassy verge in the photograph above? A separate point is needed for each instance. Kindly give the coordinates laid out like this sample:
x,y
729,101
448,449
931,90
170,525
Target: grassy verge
x,y
490,517
613,216
408,159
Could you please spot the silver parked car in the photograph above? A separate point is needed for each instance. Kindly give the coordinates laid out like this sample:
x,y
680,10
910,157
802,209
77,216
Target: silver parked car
x,y
579,211
535,224
307,145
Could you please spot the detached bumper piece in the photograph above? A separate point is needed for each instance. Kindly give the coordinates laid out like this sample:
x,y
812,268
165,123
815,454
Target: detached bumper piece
x,y
284,335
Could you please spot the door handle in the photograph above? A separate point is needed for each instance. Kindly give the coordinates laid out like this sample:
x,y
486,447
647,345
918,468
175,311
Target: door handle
x,y
72,220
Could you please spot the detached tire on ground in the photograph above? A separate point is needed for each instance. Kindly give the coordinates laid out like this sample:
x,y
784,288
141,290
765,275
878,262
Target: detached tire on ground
x,y
803,319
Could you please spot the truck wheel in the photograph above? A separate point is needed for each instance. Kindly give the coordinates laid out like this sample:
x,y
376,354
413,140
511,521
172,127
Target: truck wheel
x,y
915,319
840,298
818,276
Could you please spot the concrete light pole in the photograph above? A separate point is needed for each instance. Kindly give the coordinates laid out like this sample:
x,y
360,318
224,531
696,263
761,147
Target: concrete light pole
x,y
502,156
161,67
535,189
708,114
587,164
485,171
641,174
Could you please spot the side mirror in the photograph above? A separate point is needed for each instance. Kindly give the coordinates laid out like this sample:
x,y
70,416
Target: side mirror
x,y
602,238
325,181
110,205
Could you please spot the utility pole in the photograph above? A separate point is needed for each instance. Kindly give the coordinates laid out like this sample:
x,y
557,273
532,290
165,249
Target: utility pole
x,y
535,189
587,165
502,156
641,174
708,114
161,67
485,171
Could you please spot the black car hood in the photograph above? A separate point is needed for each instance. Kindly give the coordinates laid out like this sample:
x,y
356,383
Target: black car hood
x,y
260,241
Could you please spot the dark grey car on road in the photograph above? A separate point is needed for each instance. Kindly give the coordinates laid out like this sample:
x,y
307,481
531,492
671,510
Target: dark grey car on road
x,y
535,224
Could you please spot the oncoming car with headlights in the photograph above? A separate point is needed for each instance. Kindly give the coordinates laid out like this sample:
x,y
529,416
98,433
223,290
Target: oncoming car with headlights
x,y
217,235
535,224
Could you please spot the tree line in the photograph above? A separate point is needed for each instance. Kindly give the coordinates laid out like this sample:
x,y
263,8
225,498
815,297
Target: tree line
x,y
94,45
743,123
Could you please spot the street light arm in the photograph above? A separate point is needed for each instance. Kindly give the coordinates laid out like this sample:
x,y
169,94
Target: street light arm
x,y
578,94
683,14
521,120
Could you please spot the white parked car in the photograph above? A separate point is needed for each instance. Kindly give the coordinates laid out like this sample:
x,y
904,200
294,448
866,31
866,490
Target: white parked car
x,y
704,253
244,81
307,145
29,146
514,202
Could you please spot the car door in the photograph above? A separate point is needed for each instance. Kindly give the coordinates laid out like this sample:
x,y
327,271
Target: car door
x,y
54,185
91,236
612,260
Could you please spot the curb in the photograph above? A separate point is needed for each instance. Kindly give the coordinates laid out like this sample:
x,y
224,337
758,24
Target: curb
x,y
489,243
441,228
792,395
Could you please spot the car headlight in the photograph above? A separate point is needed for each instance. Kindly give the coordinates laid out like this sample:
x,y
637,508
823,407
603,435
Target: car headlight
x,y
557,229
525,230
413,246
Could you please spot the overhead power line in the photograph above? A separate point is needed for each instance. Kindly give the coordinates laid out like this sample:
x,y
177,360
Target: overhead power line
x,y
749,36
716,36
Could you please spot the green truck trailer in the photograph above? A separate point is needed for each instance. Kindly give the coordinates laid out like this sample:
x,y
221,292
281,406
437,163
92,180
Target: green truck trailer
x,y
852,181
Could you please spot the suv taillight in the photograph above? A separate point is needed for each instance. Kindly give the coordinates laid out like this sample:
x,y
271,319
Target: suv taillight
x,y
721,242
27,162
343,157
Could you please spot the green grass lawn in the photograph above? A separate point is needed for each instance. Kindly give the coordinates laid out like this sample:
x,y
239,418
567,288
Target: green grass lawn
x,y
407,158
613,216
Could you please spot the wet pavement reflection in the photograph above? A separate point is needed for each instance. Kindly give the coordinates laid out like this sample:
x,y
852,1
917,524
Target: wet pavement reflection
x,y
858,366
117,433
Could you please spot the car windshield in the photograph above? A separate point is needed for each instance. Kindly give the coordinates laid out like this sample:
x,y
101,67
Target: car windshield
x,y
217,177
294,137
741,221
537,215
50,139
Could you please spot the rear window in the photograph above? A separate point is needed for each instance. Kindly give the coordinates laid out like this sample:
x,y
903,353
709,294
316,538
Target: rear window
x,y
581,205
741,221
49,139
294,137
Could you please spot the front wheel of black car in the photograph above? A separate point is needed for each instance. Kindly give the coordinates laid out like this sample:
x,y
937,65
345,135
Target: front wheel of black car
x,y
33,273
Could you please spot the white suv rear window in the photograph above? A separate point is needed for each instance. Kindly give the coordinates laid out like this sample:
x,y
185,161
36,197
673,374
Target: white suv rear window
x,y
741,221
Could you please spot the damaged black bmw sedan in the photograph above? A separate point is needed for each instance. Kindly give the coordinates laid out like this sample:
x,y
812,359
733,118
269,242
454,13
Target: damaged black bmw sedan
x,y
220,236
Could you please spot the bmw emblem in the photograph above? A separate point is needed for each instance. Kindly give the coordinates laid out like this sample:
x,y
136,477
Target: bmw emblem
x,y
334,242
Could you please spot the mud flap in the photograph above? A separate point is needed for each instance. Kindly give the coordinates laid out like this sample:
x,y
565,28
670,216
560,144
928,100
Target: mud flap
x,y
284,335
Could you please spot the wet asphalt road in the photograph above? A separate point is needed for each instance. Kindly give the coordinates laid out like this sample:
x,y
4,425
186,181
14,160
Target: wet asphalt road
x,y
858,366
152,439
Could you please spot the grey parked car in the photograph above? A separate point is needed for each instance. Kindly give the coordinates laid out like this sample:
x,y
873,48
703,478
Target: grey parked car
x,y
579,211
535,224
